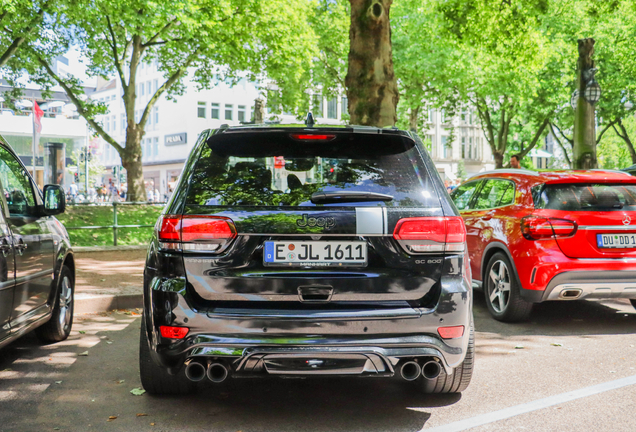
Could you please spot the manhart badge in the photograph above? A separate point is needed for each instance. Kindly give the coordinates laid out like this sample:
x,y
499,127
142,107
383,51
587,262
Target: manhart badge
x,y
305,220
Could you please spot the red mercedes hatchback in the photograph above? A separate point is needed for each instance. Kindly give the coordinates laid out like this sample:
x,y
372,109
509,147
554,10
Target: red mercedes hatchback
x,y
538,236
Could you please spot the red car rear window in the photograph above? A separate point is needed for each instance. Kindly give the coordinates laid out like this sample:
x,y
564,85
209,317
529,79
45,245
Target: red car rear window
x,y
585,197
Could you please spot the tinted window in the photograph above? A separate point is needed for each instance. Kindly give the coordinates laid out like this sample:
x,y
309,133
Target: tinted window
x,y
462,194
274,169
586,197
495,193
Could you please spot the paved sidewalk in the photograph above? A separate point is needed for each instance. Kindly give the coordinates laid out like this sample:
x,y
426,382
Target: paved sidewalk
x,y
107,280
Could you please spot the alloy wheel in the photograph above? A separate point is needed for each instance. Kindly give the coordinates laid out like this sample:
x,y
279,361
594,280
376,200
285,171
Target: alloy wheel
x,y
66,303
499,286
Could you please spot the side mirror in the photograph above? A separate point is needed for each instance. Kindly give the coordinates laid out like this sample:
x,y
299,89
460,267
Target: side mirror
x,y
54,200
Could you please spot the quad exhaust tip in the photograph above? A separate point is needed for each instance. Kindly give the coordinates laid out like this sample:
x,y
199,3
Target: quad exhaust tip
x,y
431,369
195,371
217,372
410,371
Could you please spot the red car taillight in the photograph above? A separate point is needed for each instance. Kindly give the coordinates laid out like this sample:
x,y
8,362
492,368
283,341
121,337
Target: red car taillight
x,y
539,227
431,234
205,233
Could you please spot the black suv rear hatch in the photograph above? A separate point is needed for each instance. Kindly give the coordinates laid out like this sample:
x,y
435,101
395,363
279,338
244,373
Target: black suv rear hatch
x,y
309,216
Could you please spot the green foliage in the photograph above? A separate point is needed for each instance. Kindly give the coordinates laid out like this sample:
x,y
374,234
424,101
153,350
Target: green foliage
x,y
612,152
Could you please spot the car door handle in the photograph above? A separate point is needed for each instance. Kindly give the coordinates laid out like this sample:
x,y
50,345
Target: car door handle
x,y
21,246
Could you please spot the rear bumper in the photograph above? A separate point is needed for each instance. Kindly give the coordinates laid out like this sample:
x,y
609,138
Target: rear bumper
x,y
252,341
586,284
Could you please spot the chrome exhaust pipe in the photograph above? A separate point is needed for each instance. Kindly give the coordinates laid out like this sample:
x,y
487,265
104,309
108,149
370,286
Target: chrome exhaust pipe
x,y
195,371
217,372
431,369
410,371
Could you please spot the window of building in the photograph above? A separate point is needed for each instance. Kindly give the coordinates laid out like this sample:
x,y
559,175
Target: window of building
x,y
148,87
142,89
443,116
155,147
332,108
123,122
156,110
463,148
155,84
229,112
317,106
106,124
241,113
445,150
345,105
113,120
431,115
470,148
201,109
214,111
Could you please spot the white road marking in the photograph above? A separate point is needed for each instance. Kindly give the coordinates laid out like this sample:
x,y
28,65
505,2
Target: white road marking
x,y
533,406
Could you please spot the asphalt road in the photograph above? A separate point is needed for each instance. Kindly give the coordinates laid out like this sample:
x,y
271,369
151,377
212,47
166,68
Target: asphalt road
x,y
581,356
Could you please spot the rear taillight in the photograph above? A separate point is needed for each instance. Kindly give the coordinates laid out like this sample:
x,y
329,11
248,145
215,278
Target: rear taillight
x,y
431,234
203,233
539,227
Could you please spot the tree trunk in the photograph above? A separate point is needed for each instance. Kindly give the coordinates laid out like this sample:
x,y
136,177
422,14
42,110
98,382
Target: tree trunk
x,y
131,160
584,151
499,159
413,117
371,85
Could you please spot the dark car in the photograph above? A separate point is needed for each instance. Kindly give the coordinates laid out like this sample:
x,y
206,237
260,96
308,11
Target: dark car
x,y
295,251
549,236
37,271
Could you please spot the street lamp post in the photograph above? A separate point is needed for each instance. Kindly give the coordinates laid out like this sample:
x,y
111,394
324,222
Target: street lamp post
x,y
586,95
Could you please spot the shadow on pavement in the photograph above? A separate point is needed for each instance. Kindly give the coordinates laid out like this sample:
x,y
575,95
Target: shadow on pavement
x,y
562,318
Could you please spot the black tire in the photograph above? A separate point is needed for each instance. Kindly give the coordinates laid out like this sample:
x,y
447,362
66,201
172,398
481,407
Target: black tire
x,y
59,326
156,380
458,381
504,303
633,302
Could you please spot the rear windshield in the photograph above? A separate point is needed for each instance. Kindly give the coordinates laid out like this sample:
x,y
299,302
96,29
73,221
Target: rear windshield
x,y
274,169
585,197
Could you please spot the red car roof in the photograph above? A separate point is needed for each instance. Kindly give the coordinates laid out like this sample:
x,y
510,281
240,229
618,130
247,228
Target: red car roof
x,y
565,176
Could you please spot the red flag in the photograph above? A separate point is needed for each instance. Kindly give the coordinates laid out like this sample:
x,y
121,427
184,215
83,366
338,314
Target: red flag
x,y
37,117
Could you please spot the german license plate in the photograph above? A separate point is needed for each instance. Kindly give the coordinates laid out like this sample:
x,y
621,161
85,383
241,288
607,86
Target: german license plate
x,y
616,241
315,253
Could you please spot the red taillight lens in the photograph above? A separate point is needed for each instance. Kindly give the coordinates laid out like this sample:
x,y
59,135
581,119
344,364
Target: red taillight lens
x,y
197,233
425,228
313,137
170,229
431,234
453,332
201,228
173,332
538,227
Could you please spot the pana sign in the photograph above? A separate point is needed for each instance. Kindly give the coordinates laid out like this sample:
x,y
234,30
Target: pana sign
x,y
175,139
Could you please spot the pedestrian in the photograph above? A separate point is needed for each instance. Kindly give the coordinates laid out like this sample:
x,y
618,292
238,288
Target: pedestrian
x,y
72,189
515,161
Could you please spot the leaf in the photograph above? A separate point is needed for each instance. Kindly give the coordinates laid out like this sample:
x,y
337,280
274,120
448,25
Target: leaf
x,y
111,418
109,342
102,280
121,381
82,332
142,415
556,344
152,424
58,382
85,353
138,391
520,347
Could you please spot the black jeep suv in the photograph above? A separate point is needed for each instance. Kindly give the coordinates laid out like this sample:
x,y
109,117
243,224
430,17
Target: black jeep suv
x,y
297,251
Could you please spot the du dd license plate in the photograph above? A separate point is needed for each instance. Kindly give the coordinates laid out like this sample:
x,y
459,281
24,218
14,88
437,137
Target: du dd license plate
x,y
616,240
315,253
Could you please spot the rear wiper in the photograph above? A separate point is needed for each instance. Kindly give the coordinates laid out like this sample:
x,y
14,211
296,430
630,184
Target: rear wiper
x,y
351,196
